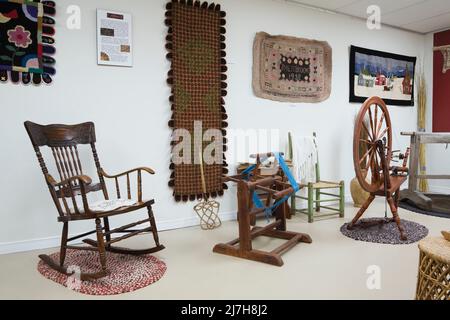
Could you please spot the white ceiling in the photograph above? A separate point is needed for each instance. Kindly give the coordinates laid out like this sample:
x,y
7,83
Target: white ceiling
x,y
421,16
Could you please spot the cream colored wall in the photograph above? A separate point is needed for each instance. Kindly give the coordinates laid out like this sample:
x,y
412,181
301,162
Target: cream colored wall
x,y
131,110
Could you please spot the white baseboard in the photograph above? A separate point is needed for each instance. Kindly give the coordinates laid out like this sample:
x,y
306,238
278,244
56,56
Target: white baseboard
x,y
53,242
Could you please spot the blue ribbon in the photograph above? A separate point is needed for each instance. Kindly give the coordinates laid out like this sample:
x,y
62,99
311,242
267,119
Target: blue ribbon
x,y
268,211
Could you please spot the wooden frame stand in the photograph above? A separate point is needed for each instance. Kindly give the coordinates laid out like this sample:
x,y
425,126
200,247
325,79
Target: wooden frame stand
x,y
243,247
420,199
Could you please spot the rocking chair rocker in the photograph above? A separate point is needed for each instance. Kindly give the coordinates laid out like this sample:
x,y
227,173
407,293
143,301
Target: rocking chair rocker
x,y
63,140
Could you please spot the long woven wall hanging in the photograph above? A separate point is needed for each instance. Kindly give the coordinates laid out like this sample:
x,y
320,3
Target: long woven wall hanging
x,y
26,41
196,45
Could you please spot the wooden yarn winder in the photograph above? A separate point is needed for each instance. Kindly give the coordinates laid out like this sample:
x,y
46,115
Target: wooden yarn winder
x,y
278,191
372,155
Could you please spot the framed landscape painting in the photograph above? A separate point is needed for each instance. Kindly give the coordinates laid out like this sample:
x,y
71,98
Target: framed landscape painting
x,y
386,75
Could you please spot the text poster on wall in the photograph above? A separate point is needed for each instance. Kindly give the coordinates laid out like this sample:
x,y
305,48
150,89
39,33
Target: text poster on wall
x,y
114,38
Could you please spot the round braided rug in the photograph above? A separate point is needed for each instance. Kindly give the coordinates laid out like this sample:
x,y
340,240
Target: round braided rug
x,y
127,273
376,230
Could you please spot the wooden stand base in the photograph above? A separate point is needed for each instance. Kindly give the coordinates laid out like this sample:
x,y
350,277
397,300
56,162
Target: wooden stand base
x,y
273,257
242,247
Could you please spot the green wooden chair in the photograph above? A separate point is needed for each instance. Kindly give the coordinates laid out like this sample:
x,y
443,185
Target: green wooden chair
x,y
320,195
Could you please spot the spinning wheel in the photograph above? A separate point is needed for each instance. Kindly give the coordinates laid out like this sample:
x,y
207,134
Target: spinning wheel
x,y
373,130
372,155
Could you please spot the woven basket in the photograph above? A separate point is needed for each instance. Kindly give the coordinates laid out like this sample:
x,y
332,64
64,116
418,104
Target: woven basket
x,y
434,270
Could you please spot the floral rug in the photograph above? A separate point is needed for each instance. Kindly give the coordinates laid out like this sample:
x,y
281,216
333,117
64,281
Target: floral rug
x,y
128,273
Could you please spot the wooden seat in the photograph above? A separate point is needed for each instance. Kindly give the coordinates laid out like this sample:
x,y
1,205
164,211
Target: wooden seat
x,y
325,185
70,194
330,200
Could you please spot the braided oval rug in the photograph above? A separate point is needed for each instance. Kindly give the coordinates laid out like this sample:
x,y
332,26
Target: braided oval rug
x,y
376,231
128,273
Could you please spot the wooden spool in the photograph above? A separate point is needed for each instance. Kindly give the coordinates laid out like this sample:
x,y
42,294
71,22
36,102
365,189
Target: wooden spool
x,y
434,270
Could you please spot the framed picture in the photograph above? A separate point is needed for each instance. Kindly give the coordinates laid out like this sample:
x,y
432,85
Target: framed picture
x,y
114,38
386,75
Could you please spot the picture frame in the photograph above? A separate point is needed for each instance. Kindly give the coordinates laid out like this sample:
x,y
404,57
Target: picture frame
x,y
377,73
114,38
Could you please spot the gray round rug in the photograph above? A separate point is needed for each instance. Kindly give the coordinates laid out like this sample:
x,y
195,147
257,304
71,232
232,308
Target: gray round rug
x,y
376,230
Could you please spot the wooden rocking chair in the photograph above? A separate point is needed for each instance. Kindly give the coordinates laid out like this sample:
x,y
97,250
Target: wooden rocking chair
x,y
63,140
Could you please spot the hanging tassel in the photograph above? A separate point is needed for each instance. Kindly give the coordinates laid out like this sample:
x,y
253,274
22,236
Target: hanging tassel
x,y
51,4
49,70
15,76
3,75
48,60
47,79
48,40
49,10
26,77
37,78
48,49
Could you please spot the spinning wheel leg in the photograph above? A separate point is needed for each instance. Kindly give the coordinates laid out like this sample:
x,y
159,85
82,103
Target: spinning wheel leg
x,y
361,212
397,220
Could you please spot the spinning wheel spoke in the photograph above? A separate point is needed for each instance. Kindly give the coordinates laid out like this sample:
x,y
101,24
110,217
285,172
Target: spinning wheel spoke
x,y
366,155
367,130
380,124
370,159
375,124
371,122
383,133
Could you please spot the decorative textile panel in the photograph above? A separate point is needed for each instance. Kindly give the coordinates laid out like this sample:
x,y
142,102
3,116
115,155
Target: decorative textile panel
x,y
290,69
26,43
195,43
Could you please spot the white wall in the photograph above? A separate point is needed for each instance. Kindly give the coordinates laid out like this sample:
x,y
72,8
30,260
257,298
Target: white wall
x,y
131,110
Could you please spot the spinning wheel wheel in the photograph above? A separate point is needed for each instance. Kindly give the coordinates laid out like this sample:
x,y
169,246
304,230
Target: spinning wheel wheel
x,y
372,155
373,126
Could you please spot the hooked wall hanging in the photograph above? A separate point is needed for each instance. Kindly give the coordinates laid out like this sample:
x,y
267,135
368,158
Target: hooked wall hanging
x,y
382,74
290,69
196,45
26,41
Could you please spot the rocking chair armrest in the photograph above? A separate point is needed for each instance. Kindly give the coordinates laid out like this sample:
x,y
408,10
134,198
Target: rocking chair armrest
x,y
145,169
82,179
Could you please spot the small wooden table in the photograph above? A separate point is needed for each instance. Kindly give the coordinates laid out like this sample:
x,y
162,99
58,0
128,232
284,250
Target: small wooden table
x,y
434,269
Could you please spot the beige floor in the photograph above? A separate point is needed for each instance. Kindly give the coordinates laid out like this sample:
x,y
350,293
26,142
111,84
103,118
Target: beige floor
x,y
333,267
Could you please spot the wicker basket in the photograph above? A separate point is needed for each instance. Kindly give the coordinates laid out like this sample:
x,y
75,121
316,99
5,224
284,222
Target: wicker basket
x,y
434,270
